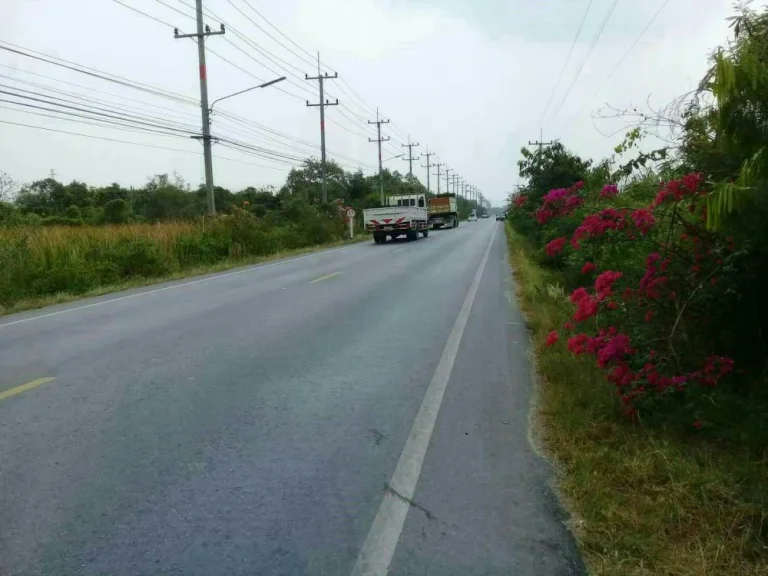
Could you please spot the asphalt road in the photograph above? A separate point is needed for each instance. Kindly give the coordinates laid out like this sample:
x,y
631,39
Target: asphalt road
x,y
353,411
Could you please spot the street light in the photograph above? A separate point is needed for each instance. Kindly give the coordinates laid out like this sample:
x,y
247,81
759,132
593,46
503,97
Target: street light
x,y
275,81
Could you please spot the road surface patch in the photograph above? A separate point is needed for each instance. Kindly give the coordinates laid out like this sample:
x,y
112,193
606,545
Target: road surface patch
x,y
379,547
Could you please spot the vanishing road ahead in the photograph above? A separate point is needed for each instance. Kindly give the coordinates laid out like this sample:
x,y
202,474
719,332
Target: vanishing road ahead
x,y
353,411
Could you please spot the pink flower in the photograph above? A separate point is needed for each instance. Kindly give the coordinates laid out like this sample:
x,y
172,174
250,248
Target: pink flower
x,y
588,268
615,349
604,283
643,220
609,191
577,344
578,295
698,424
649,316
552,337
556,246
586,308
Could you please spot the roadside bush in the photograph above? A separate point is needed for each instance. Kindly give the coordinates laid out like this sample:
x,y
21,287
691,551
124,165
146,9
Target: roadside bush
x,y
63,257
117,211
657,298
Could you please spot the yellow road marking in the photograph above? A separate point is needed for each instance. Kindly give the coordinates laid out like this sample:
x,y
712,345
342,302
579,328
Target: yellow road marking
x,y
324,277
25,387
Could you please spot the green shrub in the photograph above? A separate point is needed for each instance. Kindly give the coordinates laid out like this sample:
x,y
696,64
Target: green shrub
x,y
117,211
67,256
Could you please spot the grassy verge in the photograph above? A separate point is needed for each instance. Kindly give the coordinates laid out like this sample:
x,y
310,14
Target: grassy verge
x,y
644,500
140,281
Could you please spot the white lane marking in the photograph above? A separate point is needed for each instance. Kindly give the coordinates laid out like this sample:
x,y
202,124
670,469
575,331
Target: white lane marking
x,y
379,546
399,249
156,290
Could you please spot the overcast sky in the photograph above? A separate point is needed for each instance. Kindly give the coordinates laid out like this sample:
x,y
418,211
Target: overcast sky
x,y
468,79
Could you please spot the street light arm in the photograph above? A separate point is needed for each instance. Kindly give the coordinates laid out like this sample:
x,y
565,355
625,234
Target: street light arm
x,y
275,81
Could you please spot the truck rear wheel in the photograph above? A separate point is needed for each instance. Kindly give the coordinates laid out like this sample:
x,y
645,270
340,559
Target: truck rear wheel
x,y
412,235
456,222
379,238
425,232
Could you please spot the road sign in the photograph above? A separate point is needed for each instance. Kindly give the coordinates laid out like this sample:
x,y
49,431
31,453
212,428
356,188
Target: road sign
x,y
350,213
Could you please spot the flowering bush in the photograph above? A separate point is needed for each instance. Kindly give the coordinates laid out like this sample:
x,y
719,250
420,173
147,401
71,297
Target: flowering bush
x,y
647,278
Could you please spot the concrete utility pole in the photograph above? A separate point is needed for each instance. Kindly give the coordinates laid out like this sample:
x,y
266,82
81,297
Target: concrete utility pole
x,y
540,143
410,155
447,180
322,104
438,175
202,32
428,166
378,123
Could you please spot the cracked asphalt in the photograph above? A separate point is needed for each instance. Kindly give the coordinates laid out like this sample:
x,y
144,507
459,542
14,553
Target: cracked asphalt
x,y
250,422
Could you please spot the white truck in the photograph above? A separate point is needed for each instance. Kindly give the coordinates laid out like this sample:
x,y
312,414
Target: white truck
x,y
404,215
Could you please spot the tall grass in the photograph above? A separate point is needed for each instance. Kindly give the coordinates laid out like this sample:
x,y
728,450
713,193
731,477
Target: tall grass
x,y
646,500
38,262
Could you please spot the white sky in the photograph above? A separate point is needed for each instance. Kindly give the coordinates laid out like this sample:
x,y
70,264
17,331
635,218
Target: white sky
x,y
468,79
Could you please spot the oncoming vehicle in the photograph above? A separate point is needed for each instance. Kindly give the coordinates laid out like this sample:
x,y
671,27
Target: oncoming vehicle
x,y
472,217
484,216
500,217
404,215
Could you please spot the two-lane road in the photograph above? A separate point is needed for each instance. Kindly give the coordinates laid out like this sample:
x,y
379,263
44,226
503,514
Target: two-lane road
x,y
353,411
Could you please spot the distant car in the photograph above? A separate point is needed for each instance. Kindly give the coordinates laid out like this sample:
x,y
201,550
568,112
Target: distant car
x,y
484,216
500,217
472,218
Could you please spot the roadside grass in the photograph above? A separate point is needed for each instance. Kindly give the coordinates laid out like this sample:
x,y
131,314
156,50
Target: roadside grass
x,y
63,297
644,499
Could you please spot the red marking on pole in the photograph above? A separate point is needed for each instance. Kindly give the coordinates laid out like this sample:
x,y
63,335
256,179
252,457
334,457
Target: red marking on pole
x,y
202,72
322,125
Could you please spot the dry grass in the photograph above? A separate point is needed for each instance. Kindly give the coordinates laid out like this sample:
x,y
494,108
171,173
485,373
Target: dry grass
x,y
40,266
649,500
42,238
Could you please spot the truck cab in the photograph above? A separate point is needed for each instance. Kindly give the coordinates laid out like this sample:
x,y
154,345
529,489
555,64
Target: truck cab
x,y
417,200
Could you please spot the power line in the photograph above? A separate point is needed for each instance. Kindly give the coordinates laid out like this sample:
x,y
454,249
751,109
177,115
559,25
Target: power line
x,y
104,138
282,34
132,123
37,96
565,64
95,73
586,58
624,56
143,13
230,117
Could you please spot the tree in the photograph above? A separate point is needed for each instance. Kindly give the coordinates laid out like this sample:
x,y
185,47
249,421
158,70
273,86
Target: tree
x,y
552,167
44,197
117,211
8,186
307,182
